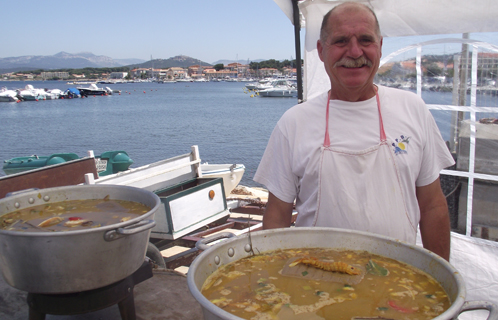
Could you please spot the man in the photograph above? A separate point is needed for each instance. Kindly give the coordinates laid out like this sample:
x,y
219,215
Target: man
x,y
359,156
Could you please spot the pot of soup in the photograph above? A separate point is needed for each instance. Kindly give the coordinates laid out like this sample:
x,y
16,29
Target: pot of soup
x,y
324,273
74,238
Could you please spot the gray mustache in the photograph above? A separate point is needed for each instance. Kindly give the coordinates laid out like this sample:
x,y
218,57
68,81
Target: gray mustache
x,y
353,63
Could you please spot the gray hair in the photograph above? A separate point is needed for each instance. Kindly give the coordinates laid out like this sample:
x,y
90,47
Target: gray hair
x,y
325,21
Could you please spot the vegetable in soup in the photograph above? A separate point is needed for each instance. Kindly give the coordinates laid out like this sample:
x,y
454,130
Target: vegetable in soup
x,y
320,283
72,215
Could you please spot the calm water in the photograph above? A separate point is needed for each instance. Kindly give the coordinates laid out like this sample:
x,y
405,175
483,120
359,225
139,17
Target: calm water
x,y
149,121
152,122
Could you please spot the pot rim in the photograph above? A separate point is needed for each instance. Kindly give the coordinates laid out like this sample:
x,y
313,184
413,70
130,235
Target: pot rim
x,y
451,312
83,231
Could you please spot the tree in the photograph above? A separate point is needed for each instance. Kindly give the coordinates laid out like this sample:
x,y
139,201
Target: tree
x,y
219,67
433,70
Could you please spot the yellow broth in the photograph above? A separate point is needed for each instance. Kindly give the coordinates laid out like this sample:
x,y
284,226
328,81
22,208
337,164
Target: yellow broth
x,y
72,215
254,288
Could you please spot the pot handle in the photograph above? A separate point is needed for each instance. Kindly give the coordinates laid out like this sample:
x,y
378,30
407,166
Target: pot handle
x,y
129,230
202,244
479,305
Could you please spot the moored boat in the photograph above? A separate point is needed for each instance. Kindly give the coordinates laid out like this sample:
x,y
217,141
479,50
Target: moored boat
x,y
71,93
279,88
53,94
8,95
29,93
107,163
93,90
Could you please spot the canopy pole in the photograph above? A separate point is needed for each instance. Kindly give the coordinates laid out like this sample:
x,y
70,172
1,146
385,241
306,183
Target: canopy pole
x,y
297,39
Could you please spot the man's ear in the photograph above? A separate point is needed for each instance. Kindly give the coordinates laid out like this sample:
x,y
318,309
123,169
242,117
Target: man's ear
x,y
319,48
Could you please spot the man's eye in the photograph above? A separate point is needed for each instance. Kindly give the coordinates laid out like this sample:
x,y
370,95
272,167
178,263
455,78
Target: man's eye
x,y
366,40
339,42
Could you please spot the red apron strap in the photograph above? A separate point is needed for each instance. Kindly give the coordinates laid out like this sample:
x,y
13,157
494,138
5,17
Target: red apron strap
x,y
382,132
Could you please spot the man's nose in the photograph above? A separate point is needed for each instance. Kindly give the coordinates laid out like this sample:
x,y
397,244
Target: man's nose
x,y
355,50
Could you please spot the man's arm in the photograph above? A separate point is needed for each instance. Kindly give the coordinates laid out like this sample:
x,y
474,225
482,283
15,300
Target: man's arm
x,y
434,219
278,213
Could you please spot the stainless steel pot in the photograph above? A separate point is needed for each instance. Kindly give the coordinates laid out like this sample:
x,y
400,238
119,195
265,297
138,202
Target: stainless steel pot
x,y
75,261
240,247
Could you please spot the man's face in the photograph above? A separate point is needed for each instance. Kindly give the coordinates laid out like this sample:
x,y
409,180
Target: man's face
x,y
351,51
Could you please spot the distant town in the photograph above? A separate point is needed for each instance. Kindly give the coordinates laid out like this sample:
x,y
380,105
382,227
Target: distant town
x,y
269,68
438,71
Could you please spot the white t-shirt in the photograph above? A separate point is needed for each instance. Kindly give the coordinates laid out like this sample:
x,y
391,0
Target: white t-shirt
x,y
290,165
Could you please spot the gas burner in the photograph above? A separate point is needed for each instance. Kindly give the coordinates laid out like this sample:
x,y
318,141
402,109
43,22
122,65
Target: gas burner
x,y
120,293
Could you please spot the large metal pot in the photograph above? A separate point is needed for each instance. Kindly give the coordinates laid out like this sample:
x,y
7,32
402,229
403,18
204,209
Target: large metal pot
x,y
240,247
75,261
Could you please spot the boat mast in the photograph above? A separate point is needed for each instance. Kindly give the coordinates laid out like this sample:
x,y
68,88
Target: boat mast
x,y
297,39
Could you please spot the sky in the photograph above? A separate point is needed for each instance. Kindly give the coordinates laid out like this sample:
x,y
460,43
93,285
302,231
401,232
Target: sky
x,y
208,30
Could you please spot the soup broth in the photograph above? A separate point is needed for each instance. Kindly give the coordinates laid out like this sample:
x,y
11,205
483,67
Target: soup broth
x,y
71,215
262,287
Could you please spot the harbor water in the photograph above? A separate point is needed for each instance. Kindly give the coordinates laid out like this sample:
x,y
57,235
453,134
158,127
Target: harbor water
x,y
154,121
150,121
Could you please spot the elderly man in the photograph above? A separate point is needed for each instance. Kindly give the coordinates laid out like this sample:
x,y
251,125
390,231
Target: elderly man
x,y
359,156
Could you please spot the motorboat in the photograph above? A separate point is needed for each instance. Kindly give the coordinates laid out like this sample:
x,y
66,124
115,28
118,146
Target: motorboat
x,y
71,93
53,94
7,95
251,86
29,93
260,85
231,174
279,88
93,90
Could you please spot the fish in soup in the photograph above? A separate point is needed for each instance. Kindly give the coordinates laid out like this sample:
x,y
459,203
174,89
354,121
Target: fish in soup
x,y
72,215
273,286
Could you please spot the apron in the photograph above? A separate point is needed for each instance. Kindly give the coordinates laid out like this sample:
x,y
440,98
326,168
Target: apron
x,y
361,190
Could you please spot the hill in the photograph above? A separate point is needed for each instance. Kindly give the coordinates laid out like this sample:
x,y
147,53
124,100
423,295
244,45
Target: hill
x,y
226,61
61,60
178,61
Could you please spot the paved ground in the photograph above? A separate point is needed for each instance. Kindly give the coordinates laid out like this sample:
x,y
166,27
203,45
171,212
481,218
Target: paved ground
x,y
164,296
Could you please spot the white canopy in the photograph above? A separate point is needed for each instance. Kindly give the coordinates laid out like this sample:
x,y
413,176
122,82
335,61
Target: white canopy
x,y
396,18
474,258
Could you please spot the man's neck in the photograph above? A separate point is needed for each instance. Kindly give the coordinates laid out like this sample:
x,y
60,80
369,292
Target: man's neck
x,y
360,94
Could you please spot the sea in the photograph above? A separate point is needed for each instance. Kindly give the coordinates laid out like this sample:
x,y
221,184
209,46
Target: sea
x,y
154,121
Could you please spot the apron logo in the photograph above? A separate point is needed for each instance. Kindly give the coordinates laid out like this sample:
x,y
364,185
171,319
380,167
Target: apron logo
x,y
401,144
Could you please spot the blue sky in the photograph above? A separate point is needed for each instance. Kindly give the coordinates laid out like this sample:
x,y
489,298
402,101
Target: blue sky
x,y
206,30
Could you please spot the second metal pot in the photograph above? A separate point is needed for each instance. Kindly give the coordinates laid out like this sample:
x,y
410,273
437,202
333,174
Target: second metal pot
x,y
260,241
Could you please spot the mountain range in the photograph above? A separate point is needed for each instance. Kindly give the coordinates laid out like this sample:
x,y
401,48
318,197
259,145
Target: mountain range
x,y
64,60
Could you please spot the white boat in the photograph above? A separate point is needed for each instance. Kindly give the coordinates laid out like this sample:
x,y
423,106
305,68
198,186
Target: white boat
x,y
31,94
279,88
231,174
262,84
251,86
182,185
8,95
53,94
